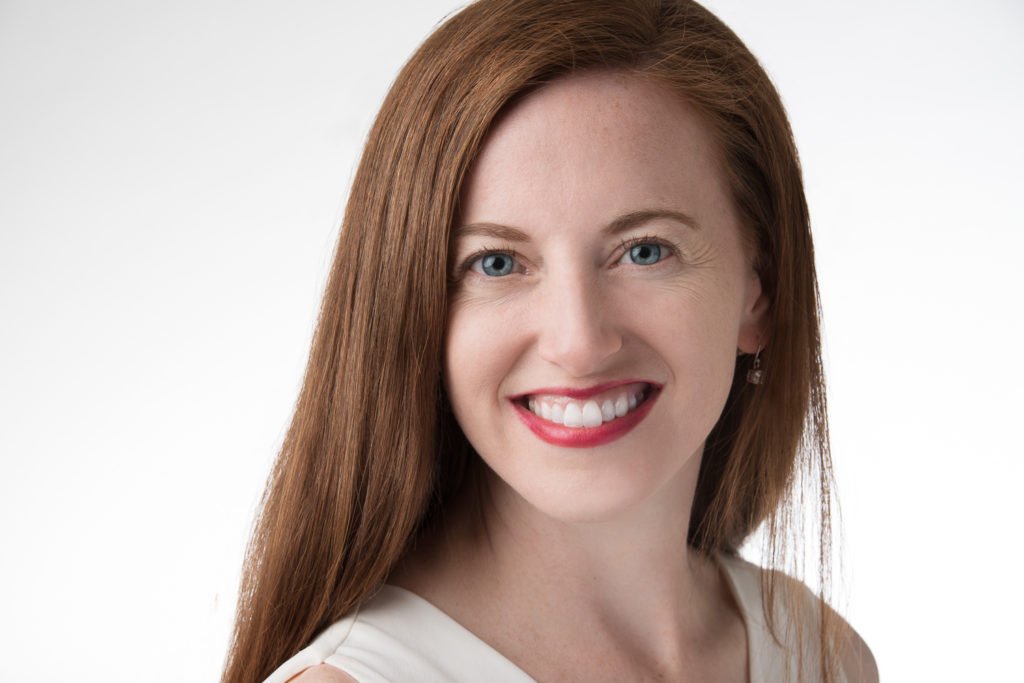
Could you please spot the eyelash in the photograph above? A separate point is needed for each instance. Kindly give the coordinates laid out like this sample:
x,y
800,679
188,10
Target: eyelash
x,y
623,248
468,262
628,243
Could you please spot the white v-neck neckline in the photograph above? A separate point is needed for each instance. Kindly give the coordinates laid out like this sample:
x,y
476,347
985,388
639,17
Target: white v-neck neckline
x,y
749,607
450,628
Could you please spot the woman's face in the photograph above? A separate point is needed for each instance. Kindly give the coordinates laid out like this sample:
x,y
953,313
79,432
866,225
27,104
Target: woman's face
x,y
602,292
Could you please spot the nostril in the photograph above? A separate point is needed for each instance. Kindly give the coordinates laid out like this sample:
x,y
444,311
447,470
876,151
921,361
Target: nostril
x,y
580,347
575,332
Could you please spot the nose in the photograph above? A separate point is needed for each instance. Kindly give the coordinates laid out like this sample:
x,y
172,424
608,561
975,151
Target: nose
x,y
578,331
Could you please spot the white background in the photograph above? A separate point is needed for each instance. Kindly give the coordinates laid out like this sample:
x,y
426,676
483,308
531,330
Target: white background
x,y
171,180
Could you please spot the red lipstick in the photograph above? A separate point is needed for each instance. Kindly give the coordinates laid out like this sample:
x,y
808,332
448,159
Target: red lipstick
x,y
582,393
584,437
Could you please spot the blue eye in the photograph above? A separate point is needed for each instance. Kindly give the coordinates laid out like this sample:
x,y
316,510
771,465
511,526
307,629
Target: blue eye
x,y
497,264
643,254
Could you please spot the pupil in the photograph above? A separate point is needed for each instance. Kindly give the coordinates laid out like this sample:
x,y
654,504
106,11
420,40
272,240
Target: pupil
x,y
497,264
645,254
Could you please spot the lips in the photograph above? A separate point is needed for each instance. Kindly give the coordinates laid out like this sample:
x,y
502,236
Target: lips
x,y
583,418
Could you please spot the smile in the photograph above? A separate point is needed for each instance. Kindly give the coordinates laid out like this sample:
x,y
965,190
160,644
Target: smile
x,y
592,412
589,417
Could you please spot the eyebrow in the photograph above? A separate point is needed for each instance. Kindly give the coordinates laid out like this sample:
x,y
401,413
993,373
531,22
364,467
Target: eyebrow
x,y
503,232
621,224
635,218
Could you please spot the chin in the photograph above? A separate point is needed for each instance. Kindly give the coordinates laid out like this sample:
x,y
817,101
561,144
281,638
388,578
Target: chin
x,y
590,507
596,495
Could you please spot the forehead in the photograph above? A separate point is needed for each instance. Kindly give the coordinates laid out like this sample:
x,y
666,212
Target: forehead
x,y
617,105
595,144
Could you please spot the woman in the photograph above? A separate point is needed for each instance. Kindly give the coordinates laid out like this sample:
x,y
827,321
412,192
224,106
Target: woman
x,y
568,360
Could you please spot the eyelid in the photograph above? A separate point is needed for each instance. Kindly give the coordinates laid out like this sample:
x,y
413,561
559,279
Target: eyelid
x,y
624,246
477,256
630,242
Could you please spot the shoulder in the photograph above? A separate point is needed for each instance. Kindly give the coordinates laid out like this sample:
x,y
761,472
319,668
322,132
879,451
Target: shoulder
x,y
851,652
855,657
794,600
397,636
322,673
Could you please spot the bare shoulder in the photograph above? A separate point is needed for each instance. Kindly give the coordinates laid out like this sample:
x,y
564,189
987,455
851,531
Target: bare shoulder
x,y
323,673
857,661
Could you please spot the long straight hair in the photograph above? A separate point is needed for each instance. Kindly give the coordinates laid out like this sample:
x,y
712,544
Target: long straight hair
x,y
373,450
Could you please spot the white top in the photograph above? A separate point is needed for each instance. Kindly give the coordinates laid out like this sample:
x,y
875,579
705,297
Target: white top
x,y
397,636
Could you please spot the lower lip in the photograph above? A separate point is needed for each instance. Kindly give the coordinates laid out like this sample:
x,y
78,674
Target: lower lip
x,y
584,437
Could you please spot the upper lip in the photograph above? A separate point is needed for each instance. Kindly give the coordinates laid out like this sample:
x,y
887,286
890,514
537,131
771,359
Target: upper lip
x,y
583,392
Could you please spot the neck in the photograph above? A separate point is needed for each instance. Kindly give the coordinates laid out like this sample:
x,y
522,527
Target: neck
x,y
630,578
634,563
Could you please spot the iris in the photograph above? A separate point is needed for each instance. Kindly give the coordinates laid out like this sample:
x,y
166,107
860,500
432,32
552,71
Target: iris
x,y
497,264
645,254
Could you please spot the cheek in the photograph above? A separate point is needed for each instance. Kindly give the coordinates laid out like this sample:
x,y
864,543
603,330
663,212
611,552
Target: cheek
x,y
477,358
701,310
694,330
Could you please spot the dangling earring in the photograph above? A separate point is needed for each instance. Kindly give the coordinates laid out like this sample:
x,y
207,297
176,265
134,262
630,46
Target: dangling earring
x,y
755,375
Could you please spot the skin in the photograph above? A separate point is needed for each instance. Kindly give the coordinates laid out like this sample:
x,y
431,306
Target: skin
x,y
572,563
576,312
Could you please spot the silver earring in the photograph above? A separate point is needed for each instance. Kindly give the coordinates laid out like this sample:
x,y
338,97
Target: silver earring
x,y
755,375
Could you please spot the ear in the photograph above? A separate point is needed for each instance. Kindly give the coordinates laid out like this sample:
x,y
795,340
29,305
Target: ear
x,y
754,325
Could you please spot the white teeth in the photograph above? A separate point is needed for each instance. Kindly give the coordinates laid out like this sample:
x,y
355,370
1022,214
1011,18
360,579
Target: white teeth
x,y
573,413
573,416
621,406
591,416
